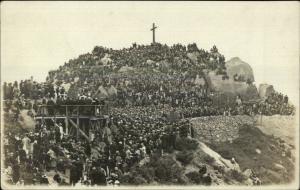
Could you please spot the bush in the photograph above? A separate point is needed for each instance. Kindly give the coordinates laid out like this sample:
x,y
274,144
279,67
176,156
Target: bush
x,y
208,159
147,173
237,176
186,144
137,176
220,169
167,170
139,180
194,177
184,157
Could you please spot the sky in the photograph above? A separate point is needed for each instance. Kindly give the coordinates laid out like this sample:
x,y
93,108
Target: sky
x,y
40,36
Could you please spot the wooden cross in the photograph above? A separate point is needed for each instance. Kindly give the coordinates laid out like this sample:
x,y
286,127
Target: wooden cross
x,y
153,32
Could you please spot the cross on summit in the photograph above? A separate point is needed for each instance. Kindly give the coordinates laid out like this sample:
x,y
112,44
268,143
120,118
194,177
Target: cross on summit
x,y
153,32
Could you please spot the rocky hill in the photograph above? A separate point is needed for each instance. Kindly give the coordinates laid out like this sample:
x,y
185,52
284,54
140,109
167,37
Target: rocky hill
x,y
156,62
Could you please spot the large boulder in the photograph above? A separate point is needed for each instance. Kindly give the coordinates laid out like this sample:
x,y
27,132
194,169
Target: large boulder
x,y
231,87
239,67
265,90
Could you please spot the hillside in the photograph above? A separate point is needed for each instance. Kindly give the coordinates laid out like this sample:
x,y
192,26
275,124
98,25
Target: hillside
x,y
267,149
149,115
156,62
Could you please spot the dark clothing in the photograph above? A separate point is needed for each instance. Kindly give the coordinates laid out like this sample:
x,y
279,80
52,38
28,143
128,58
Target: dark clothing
x,y
44,180
15,173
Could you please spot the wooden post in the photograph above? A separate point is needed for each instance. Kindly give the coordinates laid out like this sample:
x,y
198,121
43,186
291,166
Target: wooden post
x,y
77,131
54,120
67,121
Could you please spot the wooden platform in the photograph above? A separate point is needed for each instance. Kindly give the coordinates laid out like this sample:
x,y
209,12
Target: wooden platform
x,y
98,113
71,117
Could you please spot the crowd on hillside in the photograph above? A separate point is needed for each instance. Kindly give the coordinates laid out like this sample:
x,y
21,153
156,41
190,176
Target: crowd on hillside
x,y
114,146
175,78
147,111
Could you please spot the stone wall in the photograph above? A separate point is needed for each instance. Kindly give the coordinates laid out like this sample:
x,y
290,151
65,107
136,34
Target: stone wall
x,y
220,128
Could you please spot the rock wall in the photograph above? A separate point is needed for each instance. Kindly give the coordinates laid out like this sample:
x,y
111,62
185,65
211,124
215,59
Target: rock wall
x,y
220,128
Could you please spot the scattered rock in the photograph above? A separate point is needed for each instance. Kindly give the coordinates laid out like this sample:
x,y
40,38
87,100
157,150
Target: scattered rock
x,y
279,167
258,151
247,173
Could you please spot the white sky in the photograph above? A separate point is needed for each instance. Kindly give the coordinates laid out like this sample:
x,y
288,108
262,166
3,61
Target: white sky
x,y
40,36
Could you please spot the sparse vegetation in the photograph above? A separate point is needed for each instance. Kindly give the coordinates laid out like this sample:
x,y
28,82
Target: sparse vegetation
x,y
184,157
243,150
163,170
237,176
208,159
194,177
186,144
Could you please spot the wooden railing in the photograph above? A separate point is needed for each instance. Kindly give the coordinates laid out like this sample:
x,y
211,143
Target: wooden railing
x,y
72,110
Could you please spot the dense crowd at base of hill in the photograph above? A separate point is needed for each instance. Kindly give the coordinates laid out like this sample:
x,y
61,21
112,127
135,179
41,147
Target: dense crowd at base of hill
x,y
122,142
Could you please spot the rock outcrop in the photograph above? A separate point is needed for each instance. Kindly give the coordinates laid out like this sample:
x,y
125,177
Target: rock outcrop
x,y
265,90
229,86
237,66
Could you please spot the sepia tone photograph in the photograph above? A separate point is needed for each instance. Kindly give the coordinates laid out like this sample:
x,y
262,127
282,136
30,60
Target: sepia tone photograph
x,y
149,95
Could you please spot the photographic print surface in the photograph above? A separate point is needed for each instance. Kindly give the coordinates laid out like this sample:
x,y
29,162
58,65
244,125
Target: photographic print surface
x,y
149,95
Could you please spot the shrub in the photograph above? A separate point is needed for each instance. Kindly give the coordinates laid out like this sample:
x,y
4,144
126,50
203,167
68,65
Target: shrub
x,y
237,176
166,170
186,144
220,169
139,180
208,159
184,157
147,173
194,177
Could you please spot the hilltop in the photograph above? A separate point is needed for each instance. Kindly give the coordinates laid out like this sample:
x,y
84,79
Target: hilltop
x,y
154,62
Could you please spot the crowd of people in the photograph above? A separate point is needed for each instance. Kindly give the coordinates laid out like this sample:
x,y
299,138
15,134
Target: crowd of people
x,y
159,75
114,146
148,111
